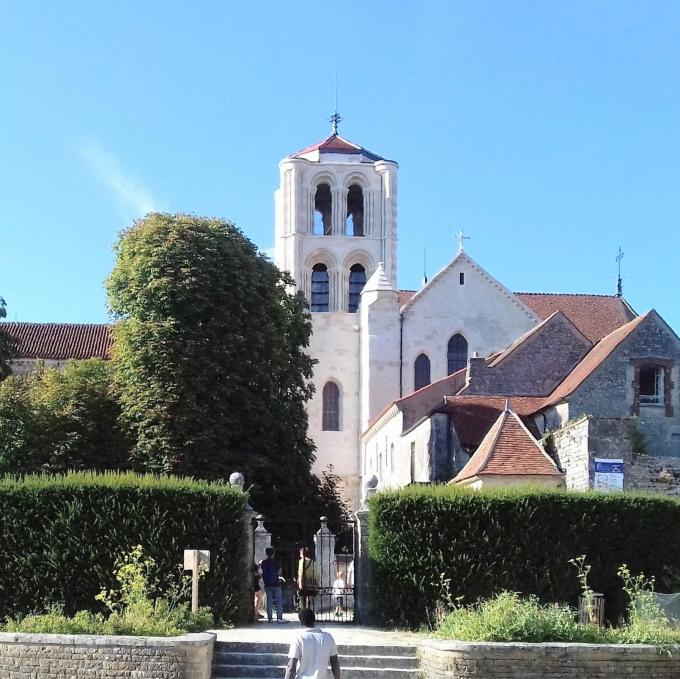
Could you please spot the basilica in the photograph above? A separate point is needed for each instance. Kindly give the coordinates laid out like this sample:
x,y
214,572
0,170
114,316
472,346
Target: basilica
x,y
462,381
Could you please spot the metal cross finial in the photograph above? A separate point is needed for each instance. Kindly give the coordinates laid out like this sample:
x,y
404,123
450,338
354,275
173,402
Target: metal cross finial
x,y
335,120
461,238
619,282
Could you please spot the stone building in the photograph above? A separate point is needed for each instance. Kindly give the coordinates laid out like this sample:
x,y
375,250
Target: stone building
x,y
408,383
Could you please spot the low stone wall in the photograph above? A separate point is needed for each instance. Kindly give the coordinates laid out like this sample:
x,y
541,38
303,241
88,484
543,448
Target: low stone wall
x,y
65,655
464,660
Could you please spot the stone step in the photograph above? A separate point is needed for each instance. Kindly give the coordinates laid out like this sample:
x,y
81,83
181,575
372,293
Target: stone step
x,y
279,671
399,662
343,649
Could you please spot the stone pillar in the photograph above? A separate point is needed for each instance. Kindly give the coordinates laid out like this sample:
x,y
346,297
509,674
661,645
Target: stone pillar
x,y
324,543
364,608
262,540
249,515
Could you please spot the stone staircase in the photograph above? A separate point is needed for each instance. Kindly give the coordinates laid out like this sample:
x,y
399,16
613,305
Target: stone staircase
x,y
242,660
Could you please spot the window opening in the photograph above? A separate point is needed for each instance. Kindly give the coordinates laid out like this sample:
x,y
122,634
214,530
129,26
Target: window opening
x,y
357,280
651,384
421,369
354,225
457,353
413,461
323,204
330,420
392,457
461,278
320,288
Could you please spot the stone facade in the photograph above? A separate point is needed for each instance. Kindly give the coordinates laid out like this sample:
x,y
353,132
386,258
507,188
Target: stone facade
x,y
461,660
43,656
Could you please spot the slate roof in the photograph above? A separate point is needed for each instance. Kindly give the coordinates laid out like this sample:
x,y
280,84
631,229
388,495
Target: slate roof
x,y
594,315
336,144
593,360
60,341
508,449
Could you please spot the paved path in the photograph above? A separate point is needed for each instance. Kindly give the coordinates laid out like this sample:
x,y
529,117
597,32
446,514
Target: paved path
x,y
264,632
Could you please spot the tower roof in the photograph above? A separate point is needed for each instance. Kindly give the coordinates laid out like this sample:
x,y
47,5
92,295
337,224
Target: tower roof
x,y
335,144
508,449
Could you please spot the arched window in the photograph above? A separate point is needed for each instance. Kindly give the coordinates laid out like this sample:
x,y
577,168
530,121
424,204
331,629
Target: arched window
x,y
320,288
323,203
421,371
456,353
354,225
357,280
330,419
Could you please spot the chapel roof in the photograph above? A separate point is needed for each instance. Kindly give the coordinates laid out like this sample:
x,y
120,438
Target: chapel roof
x,y
60,341
336,144
594,315
593,360
508,449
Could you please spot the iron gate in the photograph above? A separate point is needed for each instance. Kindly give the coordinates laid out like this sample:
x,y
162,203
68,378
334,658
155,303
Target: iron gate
x,y
329,586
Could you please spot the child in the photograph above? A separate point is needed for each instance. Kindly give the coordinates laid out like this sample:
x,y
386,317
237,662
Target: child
x,y
338,592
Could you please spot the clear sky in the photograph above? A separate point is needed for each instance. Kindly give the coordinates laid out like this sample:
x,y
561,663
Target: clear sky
x,y
548,131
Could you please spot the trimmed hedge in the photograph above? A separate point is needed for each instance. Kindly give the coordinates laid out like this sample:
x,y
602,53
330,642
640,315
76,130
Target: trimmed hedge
x,y
475,544
60,537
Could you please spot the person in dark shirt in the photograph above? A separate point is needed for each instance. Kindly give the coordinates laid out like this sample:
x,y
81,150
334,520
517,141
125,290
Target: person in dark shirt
x,y
271,576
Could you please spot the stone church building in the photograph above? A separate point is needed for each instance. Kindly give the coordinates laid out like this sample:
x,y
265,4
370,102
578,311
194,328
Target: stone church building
x,y
462,380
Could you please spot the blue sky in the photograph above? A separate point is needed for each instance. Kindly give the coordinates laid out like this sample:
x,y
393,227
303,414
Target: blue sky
x,y
548,131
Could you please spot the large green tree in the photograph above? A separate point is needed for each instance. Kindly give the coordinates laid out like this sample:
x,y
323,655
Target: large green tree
x,y
209,350
55,420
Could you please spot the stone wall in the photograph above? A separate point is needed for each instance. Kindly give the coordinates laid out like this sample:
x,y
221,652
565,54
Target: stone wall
x,y
65,656
462,660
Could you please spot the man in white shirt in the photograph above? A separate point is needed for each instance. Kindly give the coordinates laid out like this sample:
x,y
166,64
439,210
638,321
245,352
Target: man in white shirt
x,y
312,651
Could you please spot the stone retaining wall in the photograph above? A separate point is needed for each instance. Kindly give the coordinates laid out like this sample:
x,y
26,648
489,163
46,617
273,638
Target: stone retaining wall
x,y
463,660
24,656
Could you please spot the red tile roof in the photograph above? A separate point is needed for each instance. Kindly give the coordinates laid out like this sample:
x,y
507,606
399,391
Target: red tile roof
x,y
593,360
594,315
405,296
60,341
473,416
336,144
508,449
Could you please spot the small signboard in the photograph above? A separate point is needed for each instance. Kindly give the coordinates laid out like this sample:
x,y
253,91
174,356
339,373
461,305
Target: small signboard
x,y
201,557
608,474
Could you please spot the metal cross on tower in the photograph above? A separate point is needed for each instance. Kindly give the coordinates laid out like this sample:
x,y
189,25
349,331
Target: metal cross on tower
x,y
461,238
335,120
619,282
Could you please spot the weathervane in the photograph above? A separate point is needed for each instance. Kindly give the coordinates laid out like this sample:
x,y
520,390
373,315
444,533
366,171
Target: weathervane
x,y
461,238
619,282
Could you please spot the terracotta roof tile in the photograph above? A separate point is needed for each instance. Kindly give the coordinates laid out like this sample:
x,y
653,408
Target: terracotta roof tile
x,y
594,315
60,341
405,296
336,144
508,449
593,360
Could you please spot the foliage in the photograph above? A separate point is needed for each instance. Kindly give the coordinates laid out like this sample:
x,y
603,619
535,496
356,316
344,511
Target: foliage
x,y
638,441
583,569
55,420
7,347
510,617
133,608
61,535
210,358
520,539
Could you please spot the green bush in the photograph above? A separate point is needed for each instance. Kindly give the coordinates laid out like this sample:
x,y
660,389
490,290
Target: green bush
x,y
61,536
509,617
430,544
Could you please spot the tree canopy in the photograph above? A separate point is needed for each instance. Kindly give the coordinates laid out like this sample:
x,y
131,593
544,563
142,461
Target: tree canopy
x,y
209,351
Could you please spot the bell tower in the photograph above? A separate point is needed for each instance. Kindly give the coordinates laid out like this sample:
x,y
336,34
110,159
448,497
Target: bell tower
x,y
336,218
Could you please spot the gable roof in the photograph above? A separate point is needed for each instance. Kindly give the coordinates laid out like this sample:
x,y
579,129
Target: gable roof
x,y
60,341
336,144
594,315
508,449
460,257
594,359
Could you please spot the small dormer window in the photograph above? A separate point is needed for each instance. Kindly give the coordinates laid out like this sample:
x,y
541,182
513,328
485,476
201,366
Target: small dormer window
x,y
355,211
323,209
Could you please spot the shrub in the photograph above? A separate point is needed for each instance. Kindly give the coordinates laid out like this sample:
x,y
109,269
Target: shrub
x,y
426,541
61,536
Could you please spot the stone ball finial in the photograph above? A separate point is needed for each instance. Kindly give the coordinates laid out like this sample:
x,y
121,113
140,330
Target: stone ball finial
x,y
236,480
323,519
372,481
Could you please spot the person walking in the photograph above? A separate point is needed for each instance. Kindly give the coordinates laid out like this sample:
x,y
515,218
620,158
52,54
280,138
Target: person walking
x,y
310,654
271,576
308,578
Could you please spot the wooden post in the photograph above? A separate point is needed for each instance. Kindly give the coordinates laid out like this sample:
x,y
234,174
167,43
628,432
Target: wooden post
x,y
194,582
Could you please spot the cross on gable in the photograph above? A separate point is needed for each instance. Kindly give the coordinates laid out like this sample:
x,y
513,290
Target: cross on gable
x,y
461,237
